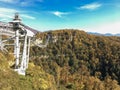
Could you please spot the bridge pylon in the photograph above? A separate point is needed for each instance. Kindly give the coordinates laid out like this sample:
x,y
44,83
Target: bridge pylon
x,y
21,34
21,64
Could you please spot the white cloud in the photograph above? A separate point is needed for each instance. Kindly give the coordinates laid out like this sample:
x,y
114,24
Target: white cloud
x,y
3,16
7,10
30,2
8,13
9,1
110,27
59,14
5,19
27,16
91,6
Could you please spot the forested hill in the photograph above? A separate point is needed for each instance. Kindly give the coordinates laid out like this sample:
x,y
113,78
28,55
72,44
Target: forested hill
x,y
72,60
80,60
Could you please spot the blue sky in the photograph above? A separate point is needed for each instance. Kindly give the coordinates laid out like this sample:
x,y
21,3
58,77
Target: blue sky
x,y
101,16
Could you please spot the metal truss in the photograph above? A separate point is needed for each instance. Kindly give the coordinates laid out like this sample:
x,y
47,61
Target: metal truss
x,y
21,35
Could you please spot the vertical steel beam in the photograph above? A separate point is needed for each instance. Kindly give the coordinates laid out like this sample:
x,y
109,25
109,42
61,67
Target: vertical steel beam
x,y
28,53
17,48
24,54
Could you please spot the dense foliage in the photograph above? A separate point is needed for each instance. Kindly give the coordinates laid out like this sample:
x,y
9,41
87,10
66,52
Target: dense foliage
x,y
80,61
35,79
73,60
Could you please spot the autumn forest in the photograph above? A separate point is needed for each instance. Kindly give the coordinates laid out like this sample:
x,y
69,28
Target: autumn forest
x,y
72,60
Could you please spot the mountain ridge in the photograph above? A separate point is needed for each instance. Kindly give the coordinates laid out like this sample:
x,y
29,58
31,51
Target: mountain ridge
x,y
106,34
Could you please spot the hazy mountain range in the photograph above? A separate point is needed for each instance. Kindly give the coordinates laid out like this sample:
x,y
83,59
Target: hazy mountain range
x,y
106,34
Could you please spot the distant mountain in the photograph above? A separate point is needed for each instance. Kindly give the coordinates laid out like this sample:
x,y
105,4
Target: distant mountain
x,y
106,34
117,34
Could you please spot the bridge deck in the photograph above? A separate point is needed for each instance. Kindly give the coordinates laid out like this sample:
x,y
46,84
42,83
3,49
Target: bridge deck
x,y
7,29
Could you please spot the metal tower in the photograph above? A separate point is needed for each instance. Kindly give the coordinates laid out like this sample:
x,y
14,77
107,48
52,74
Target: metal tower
x,y
21,64
21,35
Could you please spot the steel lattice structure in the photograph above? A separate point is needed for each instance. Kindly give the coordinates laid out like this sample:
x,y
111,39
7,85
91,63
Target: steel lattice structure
x,y
16,30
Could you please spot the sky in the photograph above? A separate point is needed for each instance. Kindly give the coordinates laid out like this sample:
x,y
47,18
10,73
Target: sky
x,y
102,16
